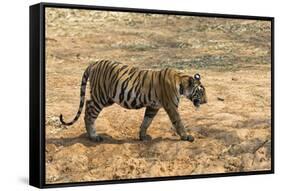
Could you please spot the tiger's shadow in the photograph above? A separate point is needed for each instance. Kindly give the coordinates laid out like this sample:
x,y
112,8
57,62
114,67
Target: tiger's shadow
x,y
107,139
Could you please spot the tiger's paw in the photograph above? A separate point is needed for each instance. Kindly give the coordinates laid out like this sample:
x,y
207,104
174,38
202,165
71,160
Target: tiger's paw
x,y
189,138
96,138
146,138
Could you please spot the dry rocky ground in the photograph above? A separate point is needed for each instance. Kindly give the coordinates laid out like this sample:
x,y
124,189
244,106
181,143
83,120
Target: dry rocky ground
x,y
232,132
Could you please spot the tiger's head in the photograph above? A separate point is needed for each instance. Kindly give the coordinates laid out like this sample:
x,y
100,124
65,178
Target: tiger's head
x,y
193,90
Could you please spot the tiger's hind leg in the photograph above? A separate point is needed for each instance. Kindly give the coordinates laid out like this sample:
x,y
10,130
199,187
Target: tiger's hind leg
x,y
148,117
91,113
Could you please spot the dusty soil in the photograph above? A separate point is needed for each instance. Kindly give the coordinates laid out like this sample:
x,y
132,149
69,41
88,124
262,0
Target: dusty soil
x,y
232,132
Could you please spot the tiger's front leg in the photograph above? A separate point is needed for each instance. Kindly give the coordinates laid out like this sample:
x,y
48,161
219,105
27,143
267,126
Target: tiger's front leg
x,y
148,117
177,123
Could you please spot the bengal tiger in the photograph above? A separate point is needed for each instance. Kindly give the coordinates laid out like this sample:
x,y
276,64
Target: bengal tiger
x,y
132,88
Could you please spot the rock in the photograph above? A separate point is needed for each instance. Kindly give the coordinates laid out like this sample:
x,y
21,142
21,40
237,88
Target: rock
x,y
220,99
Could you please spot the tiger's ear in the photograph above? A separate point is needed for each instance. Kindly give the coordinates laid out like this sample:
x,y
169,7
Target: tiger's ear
x,y
197,76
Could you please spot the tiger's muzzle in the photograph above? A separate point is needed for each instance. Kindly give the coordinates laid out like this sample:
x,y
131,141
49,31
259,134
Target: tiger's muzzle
x,y
196,102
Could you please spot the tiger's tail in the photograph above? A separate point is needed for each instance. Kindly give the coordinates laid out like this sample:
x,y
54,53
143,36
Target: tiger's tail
x,y
82,98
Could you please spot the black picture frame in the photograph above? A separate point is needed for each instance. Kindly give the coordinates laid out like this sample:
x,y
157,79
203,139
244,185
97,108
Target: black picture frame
x,y
37,94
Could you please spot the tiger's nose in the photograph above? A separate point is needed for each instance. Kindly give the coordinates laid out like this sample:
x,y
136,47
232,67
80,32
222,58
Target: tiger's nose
x,y
196,102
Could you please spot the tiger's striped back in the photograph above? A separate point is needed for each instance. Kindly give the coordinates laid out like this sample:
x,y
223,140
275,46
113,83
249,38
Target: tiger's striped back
x,y
127,86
